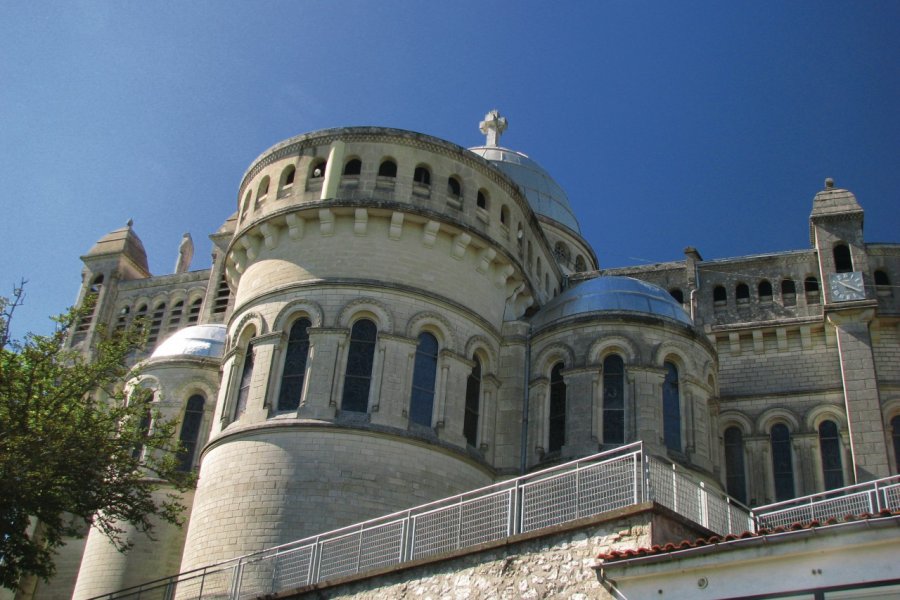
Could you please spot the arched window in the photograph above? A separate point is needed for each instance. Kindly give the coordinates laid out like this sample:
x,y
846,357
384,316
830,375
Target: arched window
x,y
720,296
504,215
122,318
175,316
788,292
482,199
557,425
562,253
882,283
194,311
580,264
288,175
742,293
318,169
140,317
387,168
843,263
765,291
811,287
294,365
677,294
422,175
353,167
90,301
830,450
782,462
244,386
454,187
613,400
421,402
146,400
246,206
895,434
190,432
156,324
671,408
263,190
735,480
473,403
360,358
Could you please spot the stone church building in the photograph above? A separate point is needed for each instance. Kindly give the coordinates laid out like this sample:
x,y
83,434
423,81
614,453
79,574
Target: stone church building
x,y
389,319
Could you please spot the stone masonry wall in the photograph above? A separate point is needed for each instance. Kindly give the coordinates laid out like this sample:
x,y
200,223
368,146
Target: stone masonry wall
x,y
558,565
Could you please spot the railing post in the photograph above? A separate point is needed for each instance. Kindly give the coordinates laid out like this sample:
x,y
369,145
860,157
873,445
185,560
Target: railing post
x,y
359,547
404,538
577,490
519,524
315,561
512,493
202,583
236,579
675,489
704,505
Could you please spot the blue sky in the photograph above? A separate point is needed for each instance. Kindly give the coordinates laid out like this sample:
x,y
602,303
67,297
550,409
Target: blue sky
x,y
669,124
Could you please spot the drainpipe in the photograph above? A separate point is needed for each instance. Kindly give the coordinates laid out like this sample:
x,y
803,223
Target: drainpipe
x,y
524,461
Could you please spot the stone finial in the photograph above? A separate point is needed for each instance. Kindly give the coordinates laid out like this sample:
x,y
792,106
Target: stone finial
x,y
129,223
493,127
185,254
829,183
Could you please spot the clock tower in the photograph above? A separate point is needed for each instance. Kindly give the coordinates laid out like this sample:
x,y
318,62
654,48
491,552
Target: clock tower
x,y
836,232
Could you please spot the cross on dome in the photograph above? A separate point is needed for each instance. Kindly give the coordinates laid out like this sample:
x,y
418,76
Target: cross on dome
x,y
493,127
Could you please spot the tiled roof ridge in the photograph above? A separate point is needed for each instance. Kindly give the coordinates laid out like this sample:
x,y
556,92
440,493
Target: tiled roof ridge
x,y
657,549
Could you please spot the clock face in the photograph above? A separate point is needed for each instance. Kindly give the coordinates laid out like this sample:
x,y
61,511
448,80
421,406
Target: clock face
x,y
846,286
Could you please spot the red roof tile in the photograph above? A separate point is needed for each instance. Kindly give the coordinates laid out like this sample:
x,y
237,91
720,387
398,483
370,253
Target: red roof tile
x,y
615,555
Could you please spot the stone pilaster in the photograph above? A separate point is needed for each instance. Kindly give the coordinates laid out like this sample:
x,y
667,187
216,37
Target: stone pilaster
x,y
580,406
396,385
861,400
324,345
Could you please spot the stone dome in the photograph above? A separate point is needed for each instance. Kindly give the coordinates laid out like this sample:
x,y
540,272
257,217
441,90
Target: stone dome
x,y
612,294
544,195
202,341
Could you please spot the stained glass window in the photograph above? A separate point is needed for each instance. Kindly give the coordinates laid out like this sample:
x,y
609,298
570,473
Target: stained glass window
x,y
421,403
360,357
294,366
613,400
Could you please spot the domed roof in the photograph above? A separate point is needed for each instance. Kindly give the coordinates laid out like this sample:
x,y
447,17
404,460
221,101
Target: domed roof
x,y
612,294
543,193
121,241
204,341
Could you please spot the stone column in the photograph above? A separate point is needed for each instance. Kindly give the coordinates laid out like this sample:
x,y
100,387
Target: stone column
x,y
452,406
647,406
264,347
861,400
580,407
323,359
539,409
396,385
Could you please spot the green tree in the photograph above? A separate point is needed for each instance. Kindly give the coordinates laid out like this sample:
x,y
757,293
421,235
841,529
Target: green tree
x,y
75,449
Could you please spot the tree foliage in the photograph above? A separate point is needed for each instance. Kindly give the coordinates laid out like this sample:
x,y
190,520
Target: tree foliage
x,y
75,448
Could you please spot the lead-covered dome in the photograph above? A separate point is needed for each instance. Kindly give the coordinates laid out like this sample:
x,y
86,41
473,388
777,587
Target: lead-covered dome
x,y
544,195
612,294
202,341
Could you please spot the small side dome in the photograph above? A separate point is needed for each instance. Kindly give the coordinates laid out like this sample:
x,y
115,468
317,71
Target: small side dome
x,y
204,341
122,241
612,294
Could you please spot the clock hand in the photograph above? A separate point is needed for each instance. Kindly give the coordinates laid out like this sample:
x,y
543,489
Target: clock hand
x,y
849,287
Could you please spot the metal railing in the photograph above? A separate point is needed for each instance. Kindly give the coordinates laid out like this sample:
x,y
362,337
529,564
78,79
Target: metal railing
x,y
586,487
871,497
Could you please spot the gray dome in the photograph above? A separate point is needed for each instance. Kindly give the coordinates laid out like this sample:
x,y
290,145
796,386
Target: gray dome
x,y
612,294
204,341
544,194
